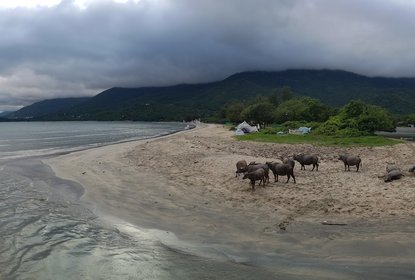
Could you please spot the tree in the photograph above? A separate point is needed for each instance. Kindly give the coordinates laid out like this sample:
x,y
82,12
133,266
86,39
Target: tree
x,y
233,111
353,109
409,119
302,109
366,117
358,118
280,95
375,118
258,99
261,113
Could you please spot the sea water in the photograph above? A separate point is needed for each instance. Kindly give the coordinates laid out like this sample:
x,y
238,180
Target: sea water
x,y
47,232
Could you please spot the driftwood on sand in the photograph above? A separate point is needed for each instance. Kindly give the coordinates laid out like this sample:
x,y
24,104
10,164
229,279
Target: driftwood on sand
x,y
333,223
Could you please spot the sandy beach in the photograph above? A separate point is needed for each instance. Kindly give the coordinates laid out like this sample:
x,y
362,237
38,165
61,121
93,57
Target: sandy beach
x,y
185,184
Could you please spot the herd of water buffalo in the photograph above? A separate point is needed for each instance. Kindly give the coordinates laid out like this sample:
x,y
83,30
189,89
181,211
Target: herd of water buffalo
x,y
260,171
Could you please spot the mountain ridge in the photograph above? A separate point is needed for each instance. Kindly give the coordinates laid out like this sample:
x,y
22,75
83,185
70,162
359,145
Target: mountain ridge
x,y
186,101
46,107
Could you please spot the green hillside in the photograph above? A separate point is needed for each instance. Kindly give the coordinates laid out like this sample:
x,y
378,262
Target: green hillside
x,y
46,107
184,101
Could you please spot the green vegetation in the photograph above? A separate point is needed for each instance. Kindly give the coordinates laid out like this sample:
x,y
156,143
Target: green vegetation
x,y
353,124
303,109
46,107
325,89
319,139
408,119
357,119
281,107
262,113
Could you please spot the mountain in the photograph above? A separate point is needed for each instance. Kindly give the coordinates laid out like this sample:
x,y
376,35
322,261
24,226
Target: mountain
x,y
46,107
187,101
336,88
162,103
5,113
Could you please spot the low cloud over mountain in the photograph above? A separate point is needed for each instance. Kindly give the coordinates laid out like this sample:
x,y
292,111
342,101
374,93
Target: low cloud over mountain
x,y
65,50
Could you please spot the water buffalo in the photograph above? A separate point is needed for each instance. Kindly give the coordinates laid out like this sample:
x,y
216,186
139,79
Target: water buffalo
x,y
393,175
256,175
307,160
240,167
254,166
281,169
289,161
350,160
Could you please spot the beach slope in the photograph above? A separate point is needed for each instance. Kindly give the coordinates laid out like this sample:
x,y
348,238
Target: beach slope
x,y
185,184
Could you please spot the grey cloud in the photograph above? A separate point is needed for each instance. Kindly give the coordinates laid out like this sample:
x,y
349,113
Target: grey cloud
x,y
64,51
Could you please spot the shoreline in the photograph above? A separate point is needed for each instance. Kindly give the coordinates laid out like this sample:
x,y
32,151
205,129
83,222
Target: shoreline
x,y
66,171
183,184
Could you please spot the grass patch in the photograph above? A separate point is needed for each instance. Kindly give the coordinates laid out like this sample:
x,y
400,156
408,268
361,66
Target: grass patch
x,y
320,139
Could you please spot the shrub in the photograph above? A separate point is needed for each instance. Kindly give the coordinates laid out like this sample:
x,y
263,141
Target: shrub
x,y
327,128
357,119
350,132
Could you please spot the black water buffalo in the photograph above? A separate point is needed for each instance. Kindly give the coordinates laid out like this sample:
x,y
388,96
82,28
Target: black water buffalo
x,y
254,166
393,175
307,160
256,175
281,169
240,167
351,161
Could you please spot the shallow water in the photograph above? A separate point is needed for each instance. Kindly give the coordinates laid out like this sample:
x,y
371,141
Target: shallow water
x,y
23,139
48,233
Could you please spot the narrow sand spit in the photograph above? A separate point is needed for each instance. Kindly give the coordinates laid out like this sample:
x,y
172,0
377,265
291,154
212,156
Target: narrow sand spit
x,y
185,183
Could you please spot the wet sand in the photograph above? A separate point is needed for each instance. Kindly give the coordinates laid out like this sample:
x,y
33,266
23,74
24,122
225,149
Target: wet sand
x,y
184,186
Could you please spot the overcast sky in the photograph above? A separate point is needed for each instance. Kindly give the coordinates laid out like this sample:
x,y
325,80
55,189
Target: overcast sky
x,y
56,48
